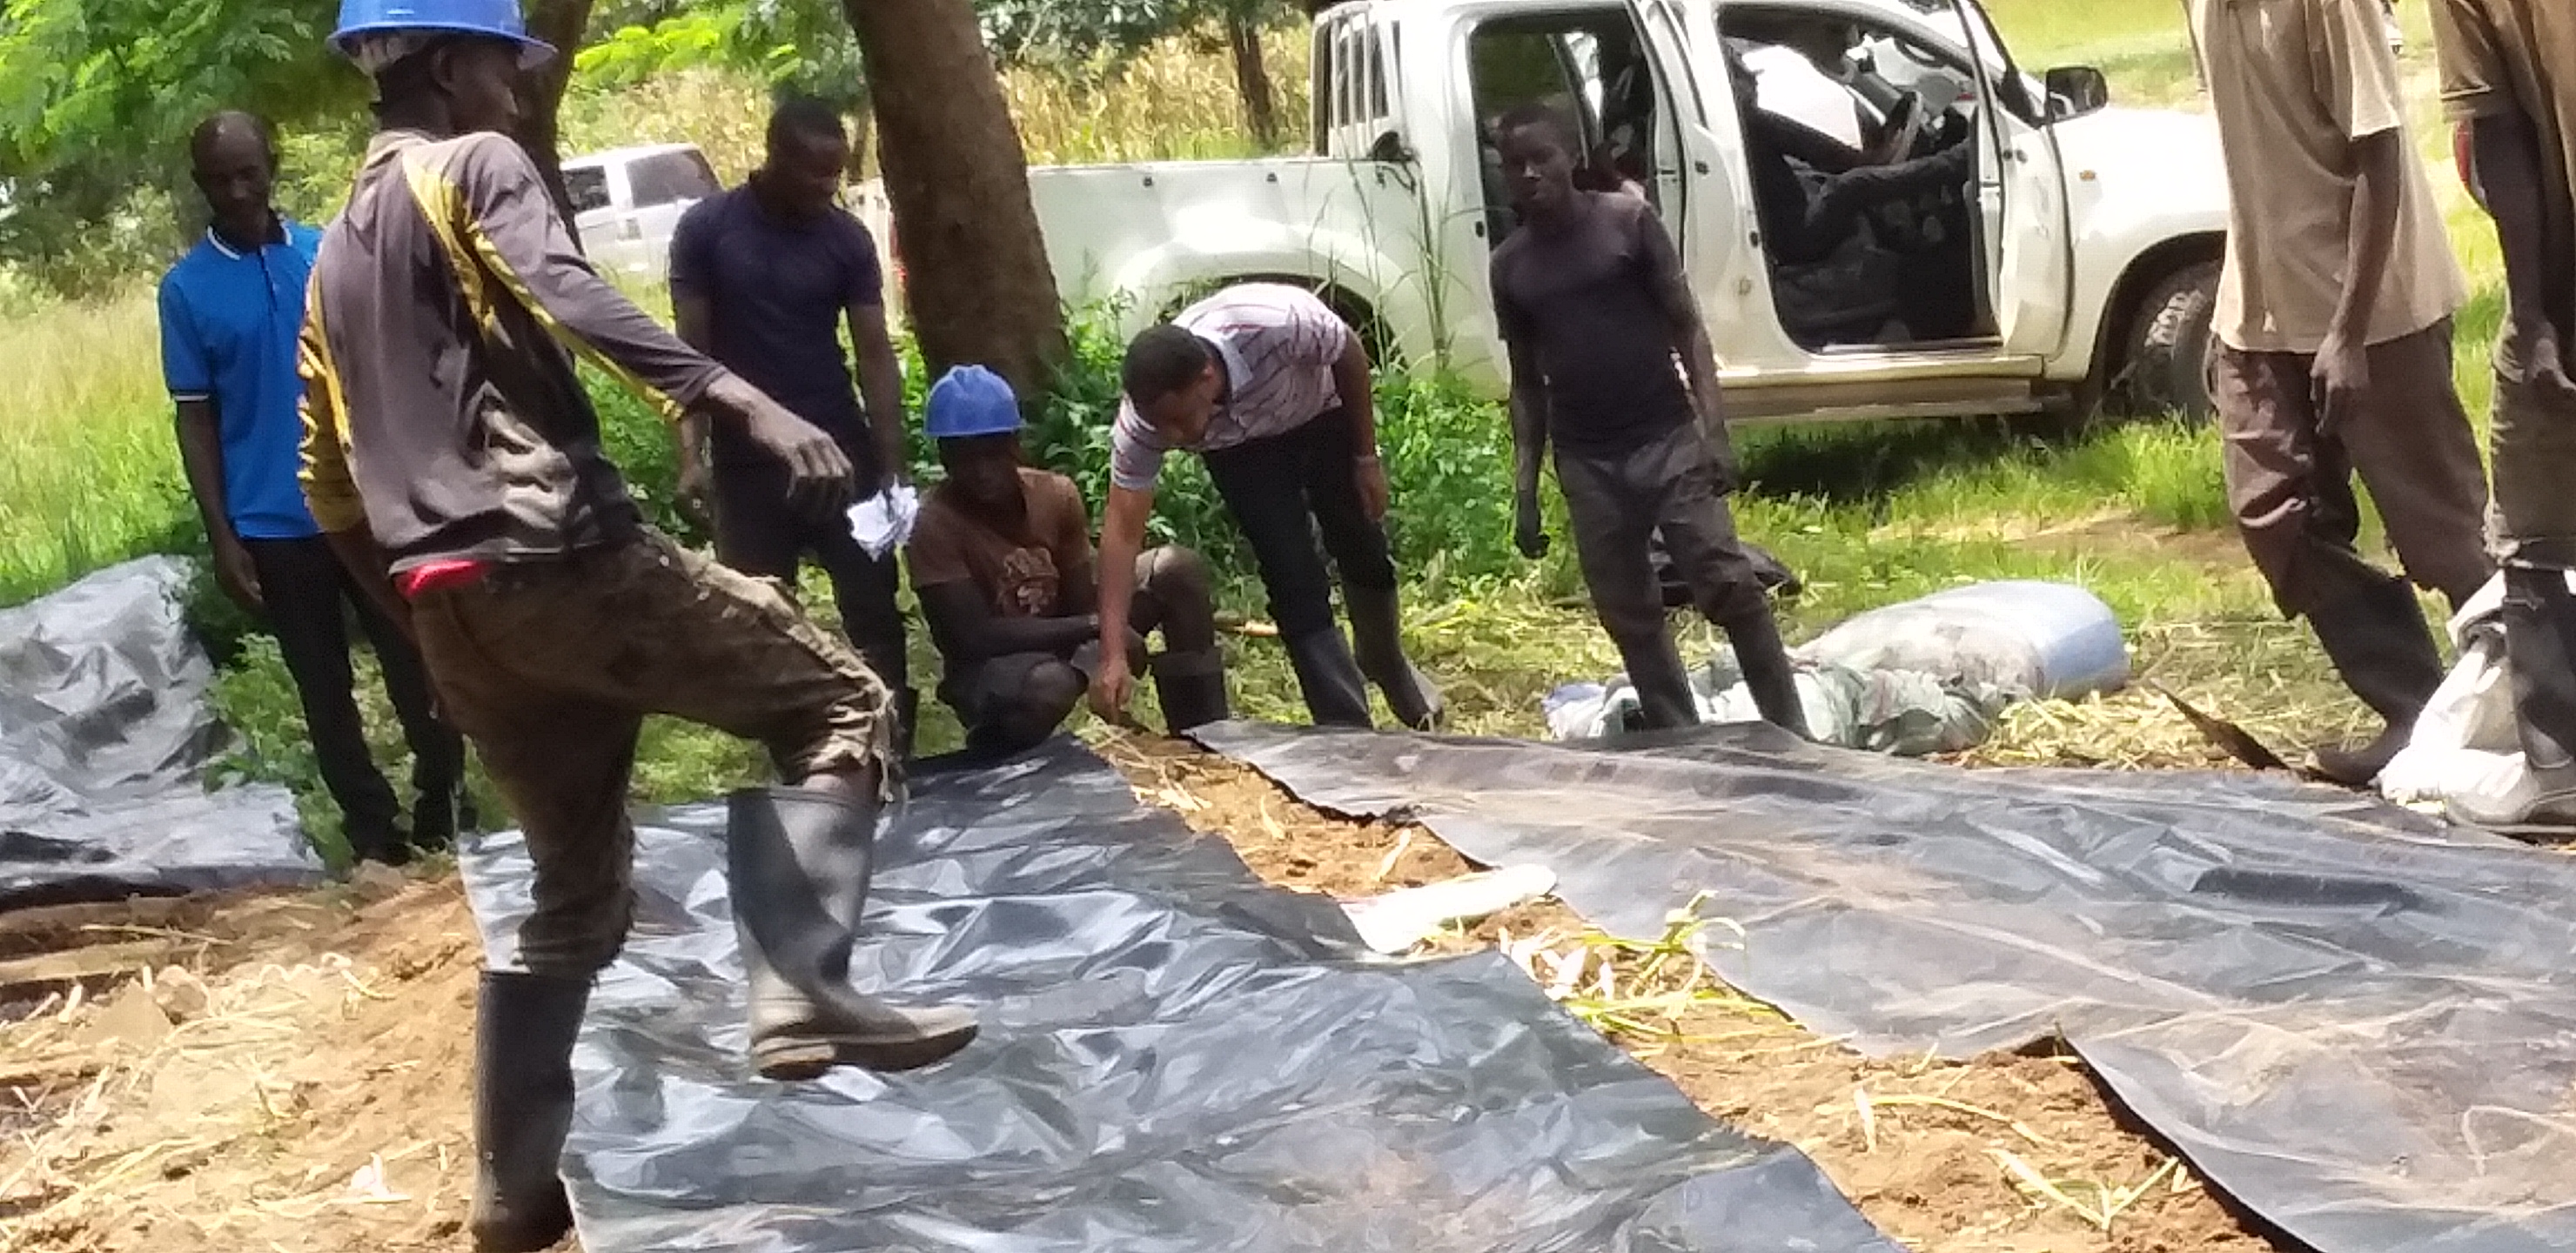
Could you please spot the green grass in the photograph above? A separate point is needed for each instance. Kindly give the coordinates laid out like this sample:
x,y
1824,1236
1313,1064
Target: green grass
x,y
92,476
1869,515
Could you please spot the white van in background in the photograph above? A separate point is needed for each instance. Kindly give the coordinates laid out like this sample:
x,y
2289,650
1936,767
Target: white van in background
x,y
628,201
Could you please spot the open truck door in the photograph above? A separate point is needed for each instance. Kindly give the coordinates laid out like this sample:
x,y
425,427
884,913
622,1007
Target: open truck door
x,y
2021,184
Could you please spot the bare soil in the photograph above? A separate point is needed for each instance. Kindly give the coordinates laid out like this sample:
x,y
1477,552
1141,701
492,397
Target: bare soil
x,y
292,1073
295,1079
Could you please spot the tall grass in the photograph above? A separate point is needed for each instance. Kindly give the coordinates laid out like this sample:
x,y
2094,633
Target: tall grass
x,y
92,474
1174,101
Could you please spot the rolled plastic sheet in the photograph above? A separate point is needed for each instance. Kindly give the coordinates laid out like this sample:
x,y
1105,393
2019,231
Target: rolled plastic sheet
x,y
104,733
2357,1022
1175,1058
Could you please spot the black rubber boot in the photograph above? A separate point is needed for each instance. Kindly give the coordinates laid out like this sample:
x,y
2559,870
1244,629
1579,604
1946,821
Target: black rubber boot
x,y
1191,688
1336,695
2381,645
385,846
1768,671
1377,642
1665,700
2540,653
799,865
439,816
524,1026
907,720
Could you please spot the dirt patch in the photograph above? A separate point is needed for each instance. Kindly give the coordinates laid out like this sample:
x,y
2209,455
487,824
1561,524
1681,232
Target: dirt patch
x,y
297,1081
2009,1153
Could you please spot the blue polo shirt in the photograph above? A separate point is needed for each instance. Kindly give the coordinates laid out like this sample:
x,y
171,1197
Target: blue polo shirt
x,y
229,322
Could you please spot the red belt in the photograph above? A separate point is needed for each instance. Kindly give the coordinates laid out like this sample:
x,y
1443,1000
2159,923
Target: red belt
x,y
440,576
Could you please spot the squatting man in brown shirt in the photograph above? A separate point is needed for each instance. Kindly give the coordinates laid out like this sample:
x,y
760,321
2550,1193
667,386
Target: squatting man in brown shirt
x,y
1596,312
2509,74
1003,562
451,453
2334,321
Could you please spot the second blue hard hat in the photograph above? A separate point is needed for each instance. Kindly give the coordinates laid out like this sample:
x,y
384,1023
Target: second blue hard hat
x,y
499,19
971,402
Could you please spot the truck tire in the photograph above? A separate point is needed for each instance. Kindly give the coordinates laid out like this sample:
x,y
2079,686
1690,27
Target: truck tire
x,y
2170,337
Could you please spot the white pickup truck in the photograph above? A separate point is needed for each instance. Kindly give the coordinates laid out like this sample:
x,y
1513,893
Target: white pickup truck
x,y
2077,263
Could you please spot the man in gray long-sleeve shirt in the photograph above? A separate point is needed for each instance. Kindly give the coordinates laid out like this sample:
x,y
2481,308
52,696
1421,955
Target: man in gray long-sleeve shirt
x,y
450,451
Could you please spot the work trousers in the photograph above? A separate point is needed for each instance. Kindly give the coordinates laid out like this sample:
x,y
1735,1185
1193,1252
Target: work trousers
x,y
1014,702
309,595
757,534
1285,489
2290,479
1617,502
551,667
2535,459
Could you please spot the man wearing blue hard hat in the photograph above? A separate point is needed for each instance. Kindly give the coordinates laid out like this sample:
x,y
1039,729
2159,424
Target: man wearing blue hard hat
x,y
454,461
1002,560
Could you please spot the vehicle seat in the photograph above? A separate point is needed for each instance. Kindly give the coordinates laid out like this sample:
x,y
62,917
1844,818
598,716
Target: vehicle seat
x,y
1851,297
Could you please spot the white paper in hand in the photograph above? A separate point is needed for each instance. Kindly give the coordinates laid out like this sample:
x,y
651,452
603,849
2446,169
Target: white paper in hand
x,y
884,521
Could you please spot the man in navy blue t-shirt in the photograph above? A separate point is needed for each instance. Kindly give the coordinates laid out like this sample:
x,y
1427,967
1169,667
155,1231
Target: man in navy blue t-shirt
x,y
230,314
762,278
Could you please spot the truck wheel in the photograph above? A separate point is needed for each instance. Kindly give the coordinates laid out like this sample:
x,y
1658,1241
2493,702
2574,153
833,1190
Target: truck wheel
x,y
2169,343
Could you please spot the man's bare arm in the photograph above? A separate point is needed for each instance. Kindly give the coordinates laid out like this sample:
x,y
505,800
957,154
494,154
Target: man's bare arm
x,y
1529,451
2505,150
201,454
2377,201
1690,341
966,628
696,318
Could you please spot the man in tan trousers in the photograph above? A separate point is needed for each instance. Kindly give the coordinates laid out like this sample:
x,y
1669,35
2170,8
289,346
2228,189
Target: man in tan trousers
x,y
2506,77
2334,321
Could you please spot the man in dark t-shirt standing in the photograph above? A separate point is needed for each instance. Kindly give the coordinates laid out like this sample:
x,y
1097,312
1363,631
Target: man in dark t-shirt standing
x,y
1594,309
761,279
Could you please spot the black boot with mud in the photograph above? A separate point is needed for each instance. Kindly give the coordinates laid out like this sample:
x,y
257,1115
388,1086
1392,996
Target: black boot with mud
x,y
524,1027
2381,645
799,863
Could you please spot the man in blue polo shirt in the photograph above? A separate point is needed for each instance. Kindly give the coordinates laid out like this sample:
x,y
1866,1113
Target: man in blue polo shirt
x,y
230,314
762,279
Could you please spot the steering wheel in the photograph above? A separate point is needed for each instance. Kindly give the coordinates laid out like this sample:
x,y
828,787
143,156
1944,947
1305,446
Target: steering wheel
x,y
1905,122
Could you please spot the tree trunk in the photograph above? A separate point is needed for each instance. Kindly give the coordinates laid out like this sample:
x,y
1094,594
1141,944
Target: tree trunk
x,y
563,24
1252,80
978,287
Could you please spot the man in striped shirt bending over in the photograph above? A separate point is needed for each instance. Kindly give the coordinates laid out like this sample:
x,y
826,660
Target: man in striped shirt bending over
x,y
1272,389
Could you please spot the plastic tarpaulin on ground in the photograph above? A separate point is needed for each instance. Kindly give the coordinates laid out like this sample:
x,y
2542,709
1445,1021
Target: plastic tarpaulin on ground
x,y
1175,1058
2358,1023
103,729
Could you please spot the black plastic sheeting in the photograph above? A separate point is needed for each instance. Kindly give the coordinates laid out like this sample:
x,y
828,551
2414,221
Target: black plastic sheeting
x,y
1175,1059
2360,1024
104,730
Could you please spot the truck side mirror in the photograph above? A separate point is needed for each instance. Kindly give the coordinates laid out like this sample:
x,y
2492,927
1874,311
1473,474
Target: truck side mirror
x,y
1390,149
2075,90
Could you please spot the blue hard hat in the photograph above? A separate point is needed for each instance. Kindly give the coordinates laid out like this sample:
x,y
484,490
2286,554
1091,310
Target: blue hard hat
x,y
972,402
497,18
